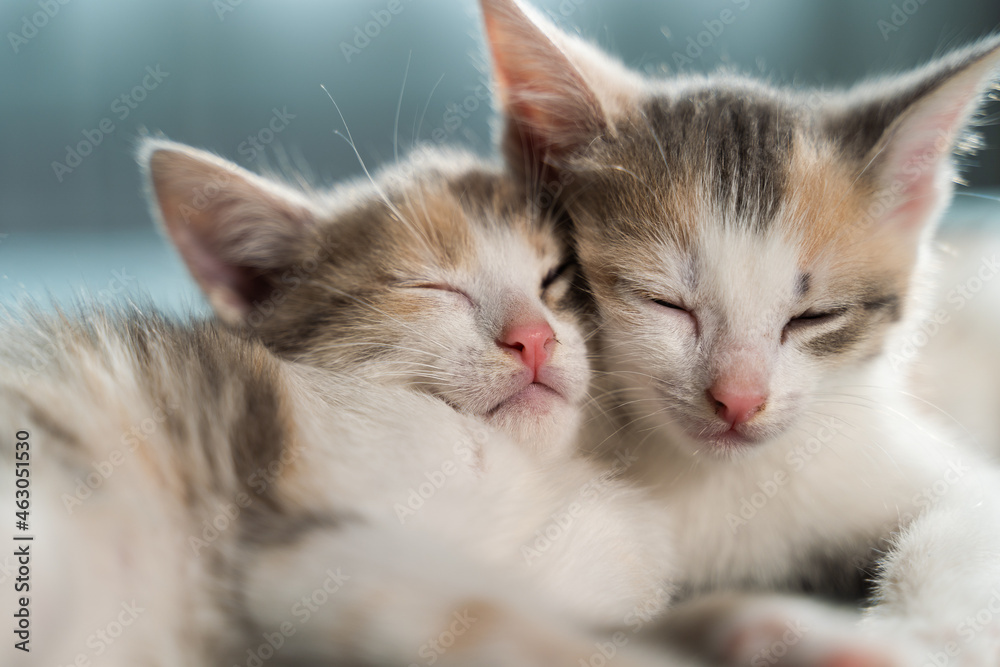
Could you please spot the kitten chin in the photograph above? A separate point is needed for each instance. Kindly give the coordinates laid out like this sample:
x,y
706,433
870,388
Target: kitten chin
x,y
539,419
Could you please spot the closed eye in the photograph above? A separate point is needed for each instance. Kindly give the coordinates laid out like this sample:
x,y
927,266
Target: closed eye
x,y
439,287
814,318
668,304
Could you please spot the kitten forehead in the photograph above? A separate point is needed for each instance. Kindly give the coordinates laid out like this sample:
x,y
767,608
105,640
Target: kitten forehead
x,y
452,222
704,157
694,157
741,141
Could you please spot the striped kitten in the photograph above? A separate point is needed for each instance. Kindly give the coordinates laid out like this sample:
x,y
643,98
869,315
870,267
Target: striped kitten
x,y
437,283
752,255
366,463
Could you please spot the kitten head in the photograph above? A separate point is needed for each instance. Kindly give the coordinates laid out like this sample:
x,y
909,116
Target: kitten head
x,y
749,249
436,276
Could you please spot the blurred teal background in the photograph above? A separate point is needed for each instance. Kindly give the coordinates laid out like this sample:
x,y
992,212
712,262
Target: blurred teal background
x,y
243,77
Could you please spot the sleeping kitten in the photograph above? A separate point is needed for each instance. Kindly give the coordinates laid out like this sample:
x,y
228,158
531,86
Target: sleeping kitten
x,y
436,278
752,254
388,472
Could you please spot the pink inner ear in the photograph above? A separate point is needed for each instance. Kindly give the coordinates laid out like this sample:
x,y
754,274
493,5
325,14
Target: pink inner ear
x,y
232,236
237,286
539,86
914,177
559,111
919,153
918,184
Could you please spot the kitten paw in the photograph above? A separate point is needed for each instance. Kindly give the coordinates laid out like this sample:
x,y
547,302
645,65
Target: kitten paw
x,y
804,634
853,657
821,650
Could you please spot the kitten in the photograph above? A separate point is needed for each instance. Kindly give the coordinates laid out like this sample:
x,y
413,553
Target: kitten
x,y
370,457
437,278
752,254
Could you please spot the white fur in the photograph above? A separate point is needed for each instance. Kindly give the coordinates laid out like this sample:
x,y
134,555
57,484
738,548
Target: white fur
x,y
883,478
598,566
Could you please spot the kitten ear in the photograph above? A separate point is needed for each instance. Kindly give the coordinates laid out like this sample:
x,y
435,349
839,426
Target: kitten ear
x,y
551,105
235,230
908,136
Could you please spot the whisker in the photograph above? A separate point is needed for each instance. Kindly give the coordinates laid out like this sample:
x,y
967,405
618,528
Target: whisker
x,y
399,107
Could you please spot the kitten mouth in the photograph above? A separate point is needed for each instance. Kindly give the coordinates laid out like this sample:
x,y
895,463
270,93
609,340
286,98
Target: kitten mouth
x,y
535,397
733,438
728,439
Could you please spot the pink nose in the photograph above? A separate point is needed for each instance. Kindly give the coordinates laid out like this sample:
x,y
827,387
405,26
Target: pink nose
x,y
736,407
530,342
